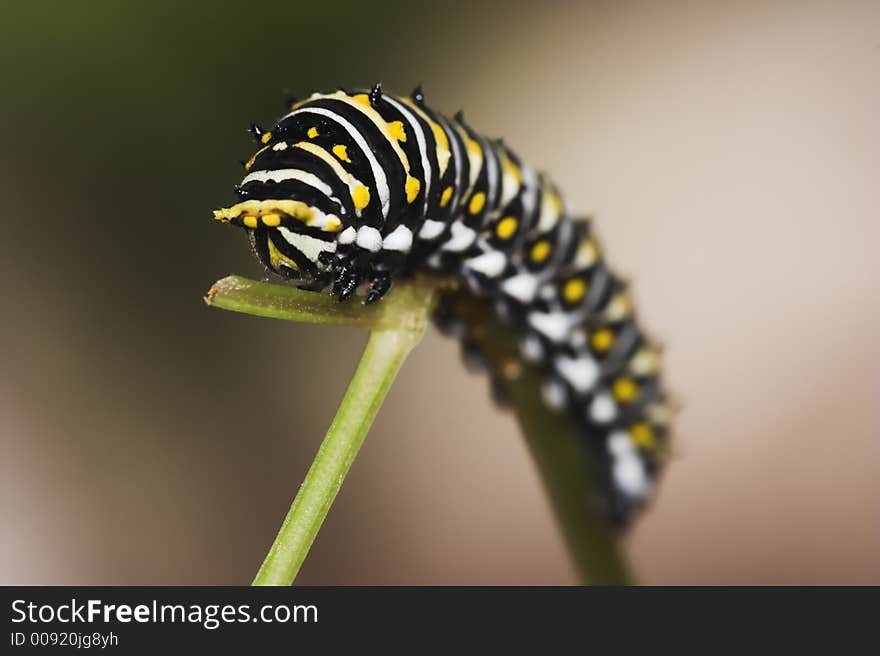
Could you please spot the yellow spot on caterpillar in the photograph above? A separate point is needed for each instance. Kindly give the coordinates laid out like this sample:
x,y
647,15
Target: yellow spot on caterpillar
x,y
341,152
272,220
540,251
445,196
477,202
556,202
266,138
333,224
473,147
574,290
624,390
506,227
249,221
642,435
363,99
395,129
602,340
412,188
313,132
276,257
361,196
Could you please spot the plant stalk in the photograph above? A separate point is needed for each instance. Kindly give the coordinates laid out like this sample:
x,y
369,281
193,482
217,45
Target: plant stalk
x,y
384,354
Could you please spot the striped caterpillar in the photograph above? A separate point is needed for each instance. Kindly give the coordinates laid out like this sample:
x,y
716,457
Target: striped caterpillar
x,y
355,189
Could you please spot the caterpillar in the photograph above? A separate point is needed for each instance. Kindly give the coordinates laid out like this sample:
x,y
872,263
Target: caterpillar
x,y
356,189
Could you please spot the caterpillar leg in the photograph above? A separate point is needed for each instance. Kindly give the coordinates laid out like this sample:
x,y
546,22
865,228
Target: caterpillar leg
x,y
379,286
350,271
347,282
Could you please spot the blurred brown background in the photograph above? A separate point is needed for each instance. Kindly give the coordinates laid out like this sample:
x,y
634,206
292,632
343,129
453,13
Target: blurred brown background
x,y
729,151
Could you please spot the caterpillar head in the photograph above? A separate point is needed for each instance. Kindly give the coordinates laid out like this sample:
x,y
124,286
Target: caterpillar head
x,y
314,176
288,209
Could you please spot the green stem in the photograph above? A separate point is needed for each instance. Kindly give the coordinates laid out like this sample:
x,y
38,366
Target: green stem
x,y
282,302
385,352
